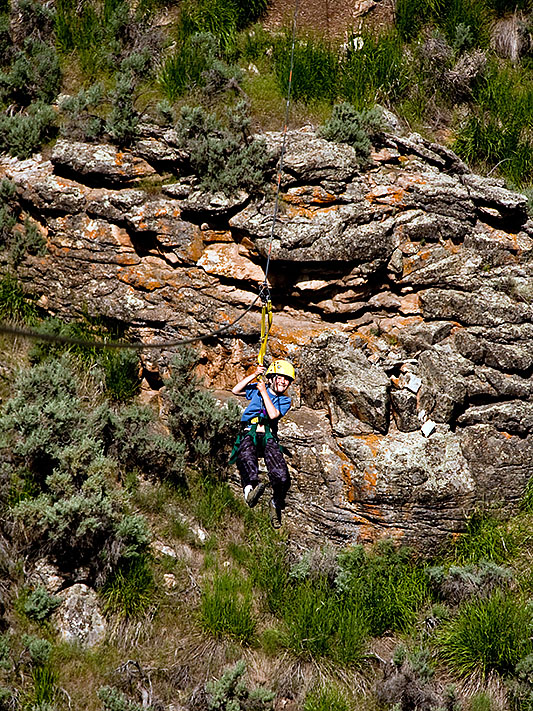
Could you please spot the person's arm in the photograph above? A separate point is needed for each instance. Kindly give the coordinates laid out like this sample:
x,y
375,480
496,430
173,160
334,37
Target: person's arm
x,y
241,385
272,411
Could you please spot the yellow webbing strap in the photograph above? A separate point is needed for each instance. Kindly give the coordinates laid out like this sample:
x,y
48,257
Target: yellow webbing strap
x,y
266,323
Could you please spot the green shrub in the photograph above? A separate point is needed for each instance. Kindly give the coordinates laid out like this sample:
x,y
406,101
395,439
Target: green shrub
x,y
230,693
119,368
36,20
224,156
72,509
5,38
26,241
122,123
39,649
5,649
129,590
114,700
195,418
488,635
226,607
315,73
80,118
326,698
132,438
34,75
39,604
346,125
458,583
22,134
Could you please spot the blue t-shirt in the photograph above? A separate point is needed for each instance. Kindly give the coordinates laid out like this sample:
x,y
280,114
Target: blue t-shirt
x,y
257,407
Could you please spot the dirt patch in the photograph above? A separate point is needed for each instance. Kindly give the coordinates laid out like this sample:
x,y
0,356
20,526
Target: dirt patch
x,y
333,19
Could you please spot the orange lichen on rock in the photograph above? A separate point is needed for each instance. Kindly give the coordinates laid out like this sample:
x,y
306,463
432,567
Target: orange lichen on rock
x,y
317,195
386,195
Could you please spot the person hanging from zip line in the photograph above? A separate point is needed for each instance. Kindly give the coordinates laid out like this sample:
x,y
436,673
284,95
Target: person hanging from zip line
x,y
259,436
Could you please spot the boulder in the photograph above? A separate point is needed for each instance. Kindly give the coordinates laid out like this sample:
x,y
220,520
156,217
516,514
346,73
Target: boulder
x,y
79,619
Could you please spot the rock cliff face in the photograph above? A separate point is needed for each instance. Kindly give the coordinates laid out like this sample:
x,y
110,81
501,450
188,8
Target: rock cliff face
x,y
402,292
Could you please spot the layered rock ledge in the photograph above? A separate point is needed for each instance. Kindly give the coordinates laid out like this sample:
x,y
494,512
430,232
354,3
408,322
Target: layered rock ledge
x,y
403,292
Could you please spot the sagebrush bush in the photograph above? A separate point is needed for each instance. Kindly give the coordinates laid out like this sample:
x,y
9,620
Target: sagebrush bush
x,y
25,240
36,21
223,155
115,700
230,693
122,123
458,583
34,75
81,114
346,125
117,369
68,504
39,604
23,133
207,428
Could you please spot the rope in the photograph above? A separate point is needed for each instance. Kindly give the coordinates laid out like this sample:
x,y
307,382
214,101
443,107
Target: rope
x,y
266,313
264,292
88,343
283,146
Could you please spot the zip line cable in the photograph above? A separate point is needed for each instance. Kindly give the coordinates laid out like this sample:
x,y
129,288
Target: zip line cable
x,y
264,292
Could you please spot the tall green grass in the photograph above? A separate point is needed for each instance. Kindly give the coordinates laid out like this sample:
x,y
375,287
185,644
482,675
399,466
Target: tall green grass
x,y
376,72
130,590
226,607
488,635
494,136
326,698
485,539
14,304
316,68
388,583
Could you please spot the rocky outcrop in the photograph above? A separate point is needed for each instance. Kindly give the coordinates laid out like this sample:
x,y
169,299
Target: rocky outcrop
x,y
403,293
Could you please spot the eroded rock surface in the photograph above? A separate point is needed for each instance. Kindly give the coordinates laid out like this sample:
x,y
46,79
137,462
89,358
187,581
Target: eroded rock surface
x,y
403,292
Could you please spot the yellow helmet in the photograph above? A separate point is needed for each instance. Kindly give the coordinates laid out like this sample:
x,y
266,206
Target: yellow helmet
x,y
281,367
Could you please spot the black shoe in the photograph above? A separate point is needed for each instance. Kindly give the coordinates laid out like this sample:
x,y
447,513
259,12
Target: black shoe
x,y
275,514
255,495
